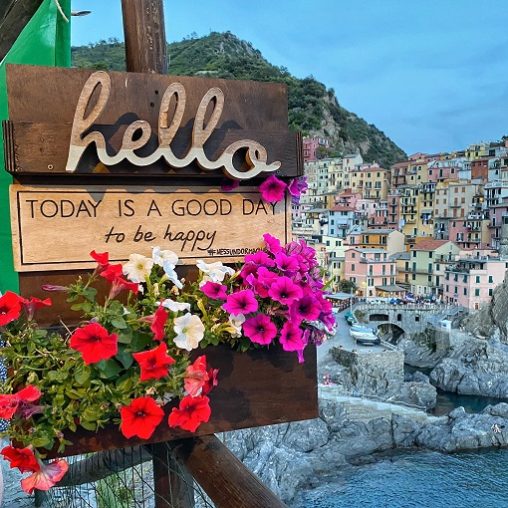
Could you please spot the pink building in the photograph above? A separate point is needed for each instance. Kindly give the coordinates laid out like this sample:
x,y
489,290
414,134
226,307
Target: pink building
x,y
347,198
439,171
371,270
311,146
497,213
470,282
471,232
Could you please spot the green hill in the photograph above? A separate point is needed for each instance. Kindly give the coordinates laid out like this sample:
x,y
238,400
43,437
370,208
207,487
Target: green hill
x,y
313,109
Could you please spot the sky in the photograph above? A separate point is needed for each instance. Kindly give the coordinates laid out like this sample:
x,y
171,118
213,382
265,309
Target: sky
x,y
431,74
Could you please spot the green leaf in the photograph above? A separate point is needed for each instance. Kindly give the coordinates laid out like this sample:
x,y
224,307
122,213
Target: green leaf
x,y
109,368
88,425
125,337
125,358
119,322
82,375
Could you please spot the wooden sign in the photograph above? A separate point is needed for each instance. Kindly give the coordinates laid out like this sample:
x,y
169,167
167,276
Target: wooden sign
x,y
80,122
55,228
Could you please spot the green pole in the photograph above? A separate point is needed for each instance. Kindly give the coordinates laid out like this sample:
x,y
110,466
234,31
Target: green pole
x,y
45,40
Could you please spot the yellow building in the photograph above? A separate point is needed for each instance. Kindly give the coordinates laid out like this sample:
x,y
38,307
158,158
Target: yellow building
x,y
390,240
371,180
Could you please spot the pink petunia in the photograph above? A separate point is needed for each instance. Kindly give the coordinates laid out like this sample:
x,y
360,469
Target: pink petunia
x,y
214,290
291,338
241,302
260,258
306,308
297,187
260,329
272,243
286,263
272,189
285,291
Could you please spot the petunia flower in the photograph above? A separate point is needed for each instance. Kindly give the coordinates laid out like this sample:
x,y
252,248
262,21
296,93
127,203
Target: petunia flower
x,y
272,243
260,258
241,302
174,306
46,477
140,418
272,189
155,363
138,268
291,338
214,271
114,274
22,458
195,376
297,187
260,329
236,323
102,259
10,307
94,343
286,263
158,320
189,331
169,270
32,304
214,290
213,381
159,257
22,403
306,308
191,413
285,291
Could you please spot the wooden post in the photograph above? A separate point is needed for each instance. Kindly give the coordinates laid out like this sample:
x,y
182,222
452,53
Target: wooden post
x,y
146,51
145,36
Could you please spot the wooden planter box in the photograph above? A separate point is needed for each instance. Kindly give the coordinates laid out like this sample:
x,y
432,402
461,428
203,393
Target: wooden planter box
x,y
260,387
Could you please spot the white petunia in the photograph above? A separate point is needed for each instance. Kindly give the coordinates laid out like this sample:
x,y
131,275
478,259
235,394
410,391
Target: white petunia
x,y
236,322
138,268
190,331
169,270
215,272
159,257
175,306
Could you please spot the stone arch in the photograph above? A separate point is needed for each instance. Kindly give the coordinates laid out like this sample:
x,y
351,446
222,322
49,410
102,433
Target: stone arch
x,y
391,332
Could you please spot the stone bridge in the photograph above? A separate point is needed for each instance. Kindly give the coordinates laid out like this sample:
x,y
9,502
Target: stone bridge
x,y
393,321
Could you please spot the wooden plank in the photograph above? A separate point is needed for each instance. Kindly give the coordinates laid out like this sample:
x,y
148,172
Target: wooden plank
x,y
222,476
201,223
14,15
145,37
260,387
42,149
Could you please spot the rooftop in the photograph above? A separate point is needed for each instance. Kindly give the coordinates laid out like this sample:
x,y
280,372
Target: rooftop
x,y
429,244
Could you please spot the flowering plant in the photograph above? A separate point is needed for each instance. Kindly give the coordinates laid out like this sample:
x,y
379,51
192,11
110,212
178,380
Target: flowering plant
x,y
130,355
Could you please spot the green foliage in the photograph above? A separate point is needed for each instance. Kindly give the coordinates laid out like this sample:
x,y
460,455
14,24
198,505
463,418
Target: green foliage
x,y
223,55
346,286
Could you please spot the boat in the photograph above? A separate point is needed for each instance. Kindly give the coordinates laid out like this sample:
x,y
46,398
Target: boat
x,y
364,335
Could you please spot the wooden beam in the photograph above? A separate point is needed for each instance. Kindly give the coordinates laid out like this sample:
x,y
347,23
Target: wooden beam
x,y
222,476
145,36
14,15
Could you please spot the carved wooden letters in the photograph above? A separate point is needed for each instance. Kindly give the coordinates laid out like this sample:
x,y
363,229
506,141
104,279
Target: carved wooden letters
x,y
138,133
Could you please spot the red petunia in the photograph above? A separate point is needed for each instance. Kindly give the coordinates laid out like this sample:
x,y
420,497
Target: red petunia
x,y
196,376
21,403
10,307
102,259
140,418
46,477
213,381
114,274
158,321
22,458
32,304
191,413
94,343
155,363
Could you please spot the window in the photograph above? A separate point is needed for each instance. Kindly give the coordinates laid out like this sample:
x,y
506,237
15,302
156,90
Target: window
x,y
353,255
414,253
414,276
353,267
417,318
491,279
429,268
477,292
491,291
399,317
430,254
478,279
465,291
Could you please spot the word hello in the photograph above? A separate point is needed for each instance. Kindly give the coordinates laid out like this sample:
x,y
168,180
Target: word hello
x,y
138,133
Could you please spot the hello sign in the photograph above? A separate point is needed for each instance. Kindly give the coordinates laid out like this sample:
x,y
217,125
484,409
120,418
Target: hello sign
x,y
164,143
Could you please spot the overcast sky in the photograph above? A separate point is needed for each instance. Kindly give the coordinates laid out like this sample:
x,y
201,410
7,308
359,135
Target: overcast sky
x,y
432,74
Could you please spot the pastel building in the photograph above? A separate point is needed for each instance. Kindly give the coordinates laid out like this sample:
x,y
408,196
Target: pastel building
x,y
471,281
372,270
388,239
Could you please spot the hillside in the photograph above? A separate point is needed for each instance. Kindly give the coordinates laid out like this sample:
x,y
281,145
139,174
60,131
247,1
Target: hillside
x,y
313,109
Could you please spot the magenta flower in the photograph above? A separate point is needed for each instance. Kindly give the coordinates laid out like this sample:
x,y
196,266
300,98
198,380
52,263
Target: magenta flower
x,y
297,187
241,302
247,269
272,189
291,337
285,291
286,263
260,258
228,185
306,308
258,288
214,290
260,329
272,243
266,277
